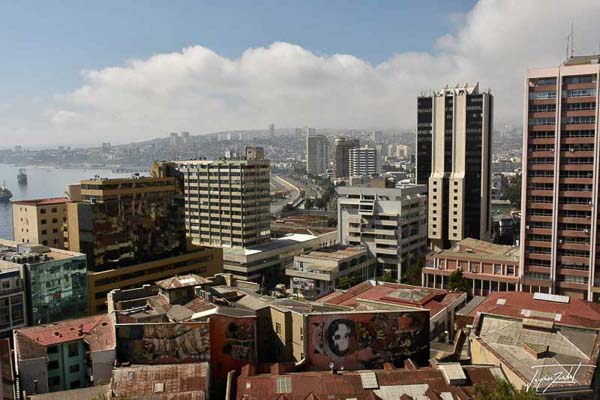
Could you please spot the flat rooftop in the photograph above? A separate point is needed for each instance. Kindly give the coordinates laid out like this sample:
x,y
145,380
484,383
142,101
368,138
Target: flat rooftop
x,y
274,244
10,248
580,60
478,249
42,202
335,253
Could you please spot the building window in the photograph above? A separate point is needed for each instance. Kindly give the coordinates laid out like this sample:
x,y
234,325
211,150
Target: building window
x,y
53,364
42,211
75,384
497,269
52,350
54,381
54,210
74,368
73,349
44,232
278,328
510,270
43,222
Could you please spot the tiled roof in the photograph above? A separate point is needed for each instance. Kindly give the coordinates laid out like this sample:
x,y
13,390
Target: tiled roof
x,y
182,281
98,331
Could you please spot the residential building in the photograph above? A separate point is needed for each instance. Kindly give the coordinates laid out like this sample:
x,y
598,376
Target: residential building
x,y
488,267
69,354
372,295
40,221
265,263
447,381
399,151
12,299
132,231
390,222
54,282
227,201
559,229
321,271
537,338
454,127
364,161
341,156
317,154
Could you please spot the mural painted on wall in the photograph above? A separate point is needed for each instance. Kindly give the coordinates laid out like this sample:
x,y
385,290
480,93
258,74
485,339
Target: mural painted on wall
x,y
233,343
163,343
366,340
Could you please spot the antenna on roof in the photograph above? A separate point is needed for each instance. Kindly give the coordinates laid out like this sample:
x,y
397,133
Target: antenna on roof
x,y
572,40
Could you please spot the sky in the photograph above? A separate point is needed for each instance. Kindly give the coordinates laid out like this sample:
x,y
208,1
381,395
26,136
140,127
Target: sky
x,y
81,73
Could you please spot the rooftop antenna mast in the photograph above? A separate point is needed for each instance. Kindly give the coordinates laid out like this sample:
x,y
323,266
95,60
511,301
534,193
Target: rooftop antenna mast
x,y
572,40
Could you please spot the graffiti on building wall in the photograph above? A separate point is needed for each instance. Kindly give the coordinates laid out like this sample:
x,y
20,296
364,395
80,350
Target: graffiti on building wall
x,y
163,343
233,343
366,340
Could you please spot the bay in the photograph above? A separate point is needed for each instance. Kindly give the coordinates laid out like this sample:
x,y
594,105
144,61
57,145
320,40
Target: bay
x,y
43,182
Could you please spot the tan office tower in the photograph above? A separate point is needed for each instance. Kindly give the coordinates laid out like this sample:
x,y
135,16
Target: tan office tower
x,y
227,201
40,221
317,154
454,129
341,156
561,169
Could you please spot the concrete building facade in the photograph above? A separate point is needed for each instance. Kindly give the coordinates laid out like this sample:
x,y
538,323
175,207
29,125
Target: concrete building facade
x,y
390,222
227,201
454,128
341,156
317,154
40,221
364,161
561,172
12,299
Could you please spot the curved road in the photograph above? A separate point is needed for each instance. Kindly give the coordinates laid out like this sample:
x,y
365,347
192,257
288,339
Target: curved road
x,y
280,183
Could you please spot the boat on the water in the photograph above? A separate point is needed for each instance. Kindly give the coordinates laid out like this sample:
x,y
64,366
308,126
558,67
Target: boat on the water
x,y
22,177
5,194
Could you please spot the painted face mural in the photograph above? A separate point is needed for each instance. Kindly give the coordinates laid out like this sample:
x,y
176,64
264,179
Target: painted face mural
x,y
366,340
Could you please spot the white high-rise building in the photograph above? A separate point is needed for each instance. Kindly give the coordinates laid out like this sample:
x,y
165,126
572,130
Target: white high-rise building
x,y
365,161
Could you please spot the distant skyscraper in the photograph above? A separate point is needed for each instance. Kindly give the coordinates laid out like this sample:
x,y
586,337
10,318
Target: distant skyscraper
x,y
377,136
272,130
559,228
317,154
227,201
364,161
454,129
341,156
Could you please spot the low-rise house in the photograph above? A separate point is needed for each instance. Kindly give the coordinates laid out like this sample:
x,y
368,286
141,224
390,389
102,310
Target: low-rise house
x,y
65,355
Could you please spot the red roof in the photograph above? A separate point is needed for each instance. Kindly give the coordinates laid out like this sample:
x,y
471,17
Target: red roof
x,y
97,331
576,312
42,202
434,300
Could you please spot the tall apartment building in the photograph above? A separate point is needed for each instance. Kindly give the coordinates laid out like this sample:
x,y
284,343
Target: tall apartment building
x,y
40,221
227,201
391,223
341,156
317,154
561,169
132,232
364,161
454,127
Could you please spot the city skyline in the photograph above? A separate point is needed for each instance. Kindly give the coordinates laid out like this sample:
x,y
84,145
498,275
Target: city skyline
x,y
372,61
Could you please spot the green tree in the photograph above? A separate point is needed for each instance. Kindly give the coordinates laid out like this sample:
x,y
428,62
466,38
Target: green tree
x,y
512,191
503,390
308,204
456,281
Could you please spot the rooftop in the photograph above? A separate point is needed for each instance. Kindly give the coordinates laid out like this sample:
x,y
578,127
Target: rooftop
x,y
42,202
275,244
434,300
182,281
479,249
97,331
579,60
157,382
389,383
29,253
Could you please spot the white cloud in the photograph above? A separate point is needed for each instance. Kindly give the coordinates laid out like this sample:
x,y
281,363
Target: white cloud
x,y
200,91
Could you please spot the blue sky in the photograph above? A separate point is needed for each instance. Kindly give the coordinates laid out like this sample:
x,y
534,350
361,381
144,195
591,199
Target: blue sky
x,y
47,43
85,72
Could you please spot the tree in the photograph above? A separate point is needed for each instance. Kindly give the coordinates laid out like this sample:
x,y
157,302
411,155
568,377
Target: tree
x,y
308,204
457,282
503,390
512,191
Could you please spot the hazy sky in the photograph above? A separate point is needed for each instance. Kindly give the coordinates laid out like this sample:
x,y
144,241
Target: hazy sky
x,y
77,72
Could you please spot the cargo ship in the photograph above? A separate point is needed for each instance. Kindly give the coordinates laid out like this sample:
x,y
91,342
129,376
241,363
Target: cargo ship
x,y
5,194
22,177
